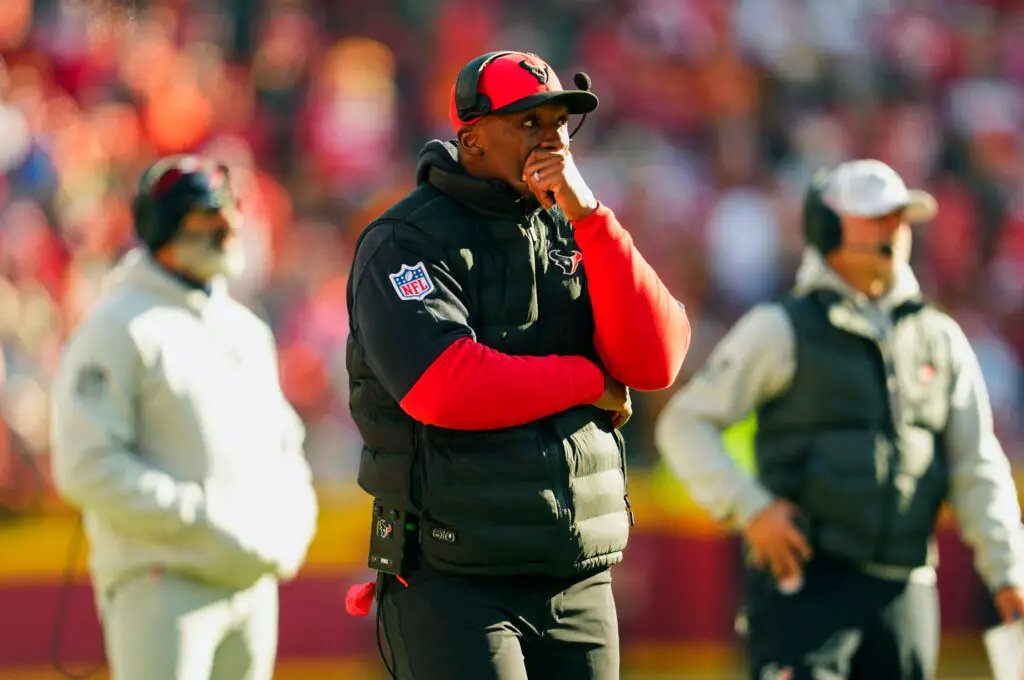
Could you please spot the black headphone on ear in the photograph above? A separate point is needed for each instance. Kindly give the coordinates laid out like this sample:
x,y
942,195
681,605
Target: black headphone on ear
x,y
152,228
155,225
157,211
821,224
469,103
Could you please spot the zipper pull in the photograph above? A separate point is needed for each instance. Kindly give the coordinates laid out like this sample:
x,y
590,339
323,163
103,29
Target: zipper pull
x,y
629,509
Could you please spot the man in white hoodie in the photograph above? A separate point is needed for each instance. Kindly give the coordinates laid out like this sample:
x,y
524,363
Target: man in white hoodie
x,y
871,412
170,431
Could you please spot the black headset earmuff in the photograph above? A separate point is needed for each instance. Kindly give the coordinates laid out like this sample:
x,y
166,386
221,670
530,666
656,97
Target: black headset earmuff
x,y
148,224
158,217
469,103
821,225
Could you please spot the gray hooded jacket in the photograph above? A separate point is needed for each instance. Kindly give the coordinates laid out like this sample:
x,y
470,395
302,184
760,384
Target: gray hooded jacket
x,y
755,362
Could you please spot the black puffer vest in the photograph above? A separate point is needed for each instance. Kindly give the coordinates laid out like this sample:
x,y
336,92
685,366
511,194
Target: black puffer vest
x,y
548,497
856,441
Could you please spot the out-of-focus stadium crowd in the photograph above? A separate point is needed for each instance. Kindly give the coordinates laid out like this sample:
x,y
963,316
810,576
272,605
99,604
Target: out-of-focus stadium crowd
x,y
714,115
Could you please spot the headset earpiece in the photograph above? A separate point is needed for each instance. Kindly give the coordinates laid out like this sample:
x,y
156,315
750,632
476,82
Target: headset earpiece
x,y
468,102
821,225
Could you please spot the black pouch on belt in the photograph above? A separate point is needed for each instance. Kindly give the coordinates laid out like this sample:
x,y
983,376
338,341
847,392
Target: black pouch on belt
x,y
393,532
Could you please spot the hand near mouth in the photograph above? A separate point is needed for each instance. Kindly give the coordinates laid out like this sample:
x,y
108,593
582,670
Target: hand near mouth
x,y
552,176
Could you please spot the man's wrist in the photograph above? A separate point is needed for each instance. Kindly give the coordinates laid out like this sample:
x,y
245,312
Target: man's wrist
x,y
584,212
601,218
751,504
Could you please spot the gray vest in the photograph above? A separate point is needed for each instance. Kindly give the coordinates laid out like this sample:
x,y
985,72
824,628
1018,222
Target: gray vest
x,y
856,441
547,497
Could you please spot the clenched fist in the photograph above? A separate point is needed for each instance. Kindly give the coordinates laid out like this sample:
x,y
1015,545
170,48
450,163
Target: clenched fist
x,y
615,399
553,178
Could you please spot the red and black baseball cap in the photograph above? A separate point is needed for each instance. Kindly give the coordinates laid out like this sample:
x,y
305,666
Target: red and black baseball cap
x,y
510,82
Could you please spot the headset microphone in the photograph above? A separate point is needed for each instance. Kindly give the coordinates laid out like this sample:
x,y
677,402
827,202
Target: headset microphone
x,y
582,82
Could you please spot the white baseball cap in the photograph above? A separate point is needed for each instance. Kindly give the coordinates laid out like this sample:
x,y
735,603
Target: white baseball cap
x,y
870,188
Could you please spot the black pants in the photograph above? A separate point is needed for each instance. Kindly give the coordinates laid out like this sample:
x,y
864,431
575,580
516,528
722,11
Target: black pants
x,y
448,627
843,625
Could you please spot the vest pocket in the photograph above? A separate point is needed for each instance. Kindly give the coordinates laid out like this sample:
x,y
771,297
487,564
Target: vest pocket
x,y
843,480
488,500
873,498
502,477
922,484
595,473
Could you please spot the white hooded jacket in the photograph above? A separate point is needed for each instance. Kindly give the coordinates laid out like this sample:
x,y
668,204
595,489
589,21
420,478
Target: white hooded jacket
x,y
170,431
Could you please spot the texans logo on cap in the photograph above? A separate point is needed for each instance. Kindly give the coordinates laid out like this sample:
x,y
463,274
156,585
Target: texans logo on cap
x,y
541,72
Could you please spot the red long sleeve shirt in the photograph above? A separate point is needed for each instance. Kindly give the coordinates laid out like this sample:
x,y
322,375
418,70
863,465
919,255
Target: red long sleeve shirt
x,y
424,353
473,387
643,333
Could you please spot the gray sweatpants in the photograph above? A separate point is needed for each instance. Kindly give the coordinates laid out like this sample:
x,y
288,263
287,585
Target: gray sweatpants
x,y
159,626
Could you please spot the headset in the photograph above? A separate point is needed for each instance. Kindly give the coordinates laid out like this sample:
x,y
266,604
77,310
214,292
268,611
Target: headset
x,y
820,223
469,103
163,199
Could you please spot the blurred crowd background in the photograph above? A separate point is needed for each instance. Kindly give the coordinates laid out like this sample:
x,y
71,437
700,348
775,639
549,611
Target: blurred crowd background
x,y
714,114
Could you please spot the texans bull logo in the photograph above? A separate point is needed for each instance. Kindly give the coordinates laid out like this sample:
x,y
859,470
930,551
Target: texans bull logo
x,y
568,262
539,71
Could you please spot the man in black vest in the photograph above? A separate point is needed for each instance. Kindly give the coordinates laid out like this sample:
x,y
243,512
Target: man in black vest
x,y
871,411
499,316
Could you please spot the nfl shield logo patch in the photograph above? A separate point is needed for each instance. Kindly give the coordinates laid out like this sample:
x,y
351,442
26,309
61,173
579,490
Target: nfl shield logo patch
x,y
412,283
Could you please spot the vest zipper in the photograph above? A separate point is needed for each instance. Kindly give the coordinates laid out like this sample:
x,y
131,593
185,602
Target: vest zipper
x,y
620,442
562,557
559,468
558,464
561,465
895,417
